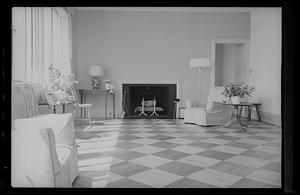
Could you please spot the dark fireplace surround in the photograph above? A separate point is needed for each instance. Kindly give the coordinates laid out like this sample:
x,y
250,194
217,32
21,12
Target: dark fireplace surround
x,y
134,93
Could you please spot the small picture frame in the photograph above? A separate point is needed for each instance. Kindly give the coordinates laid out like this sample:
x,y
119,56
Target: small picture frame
x,y
96,83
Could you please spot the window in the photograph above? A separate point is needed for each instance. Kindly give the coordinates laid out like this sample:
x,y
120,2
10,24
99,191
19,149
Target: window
x,y
41,38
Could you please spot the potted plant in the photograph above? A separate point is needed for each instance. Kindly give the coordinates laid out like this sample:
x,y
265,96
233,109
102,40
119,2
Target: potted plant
x,y
58,88
235,91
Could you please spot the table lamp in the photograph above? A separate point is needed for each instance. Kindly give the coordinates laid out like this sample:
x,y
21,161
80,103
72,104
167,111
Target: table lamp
x,y
96,72
200,63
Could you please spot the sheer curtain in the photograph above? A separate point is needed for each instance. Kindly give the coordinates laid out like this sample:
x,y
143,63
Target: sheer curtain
x,y
48,42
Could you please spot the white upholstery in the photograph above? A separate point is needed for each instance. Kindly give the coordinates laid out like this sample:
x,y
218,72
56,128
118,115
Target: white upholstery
x,y
44,152
213,114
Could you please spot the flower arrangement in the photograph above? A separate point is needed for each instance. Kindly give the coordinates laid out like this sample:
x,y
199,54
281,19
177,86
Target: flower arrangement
x,y
58,89
109,86
237,89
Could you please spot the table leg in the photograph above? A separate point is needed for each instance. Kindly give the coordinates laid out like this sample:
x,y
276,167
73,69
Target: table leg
x,y
64,108
249,112
105,105
114,109
81,101
258,112
236,118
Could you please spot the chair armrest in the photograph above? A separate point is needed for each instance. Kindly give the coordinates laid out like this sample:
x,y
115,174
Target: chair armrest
x,y
34,158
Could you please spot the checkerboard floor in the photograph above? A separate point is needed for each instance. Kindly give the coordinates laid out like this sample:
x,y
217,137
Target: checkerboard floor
x,y
166,153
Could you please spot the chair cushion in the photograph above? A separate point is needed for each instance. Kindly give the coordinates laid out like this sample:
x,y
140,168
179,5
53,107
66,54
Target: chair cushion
x,y
62,125
214,96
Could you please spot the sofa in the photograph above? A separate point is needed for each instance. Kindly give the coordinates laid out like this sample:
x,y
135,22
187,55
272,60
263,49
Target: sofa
x,y
213,114
43,147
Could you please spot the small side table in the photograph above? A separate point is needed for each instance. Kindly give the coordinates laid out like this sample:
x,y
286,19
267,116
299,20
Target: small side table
x,y
256,105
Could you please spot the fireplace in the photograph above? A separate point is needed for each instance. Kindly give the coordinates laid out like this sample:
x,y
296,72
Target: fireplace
x,y
162,94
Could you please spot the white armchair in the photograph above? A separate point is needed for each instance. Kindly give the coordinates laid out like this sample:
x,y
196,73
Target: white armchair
x,y
44,152
214,113
43,148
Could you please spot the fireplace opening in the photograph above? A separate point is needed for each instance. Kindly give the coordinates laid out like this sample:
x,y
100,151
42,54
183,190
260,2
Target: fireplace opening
x,y
148,100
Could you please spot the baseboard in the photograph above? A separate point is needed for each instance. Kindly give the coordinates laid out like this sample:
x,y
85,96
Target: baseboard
x,y
267,117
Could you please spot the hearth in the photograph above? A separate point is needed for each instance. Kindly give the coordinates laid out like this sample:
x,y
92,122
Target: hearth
x,y
148,100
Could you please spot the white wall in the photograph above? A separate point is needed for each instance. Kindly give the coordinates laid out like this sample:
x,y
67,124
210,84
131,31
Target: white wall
x,y
135,44
18,44
265,60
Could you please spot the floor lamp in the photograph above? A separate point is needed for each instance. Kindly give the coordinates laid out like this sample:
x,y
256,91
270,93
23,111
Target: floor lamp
x,y
200,63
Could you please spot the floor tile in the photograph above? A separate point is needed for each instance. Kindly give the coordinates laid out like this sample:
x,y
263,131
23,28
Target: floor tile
x,y
161,137
188,149
226,137
215,154
247,161
241,145
155,178
129,155
179,168
269,149
203,144
194,137
253,141
189,183
216,141
250,183
229,149
128,144
171,154
260,155
215,178
145,141
273,166
167,145
147,149
270,177
144,134
200,161
128,168
150,161
127,183
232,168
180,141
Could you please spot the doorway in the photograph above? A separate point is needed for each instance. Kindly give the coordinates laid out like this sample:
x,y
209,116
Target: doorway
x,y
230,61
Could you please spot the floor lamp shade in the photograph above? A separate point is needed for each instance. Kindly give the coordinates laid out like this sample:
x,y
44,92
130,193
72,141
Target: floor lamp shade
x,y
95,73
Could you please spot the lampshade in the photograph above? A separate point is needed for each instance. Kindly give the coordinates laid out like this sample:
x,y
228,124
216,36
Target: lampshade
x,y
199,62
96,71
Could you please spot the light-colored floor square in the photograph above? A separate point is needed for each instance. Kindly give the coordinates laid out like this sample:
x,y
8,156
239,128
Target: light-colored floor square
x,y
144,134
180,141
151,161
229,149
266,176
216,178
253,141
145,141
200,161
147,149
189,149
216,141
155,178
247,161
269,149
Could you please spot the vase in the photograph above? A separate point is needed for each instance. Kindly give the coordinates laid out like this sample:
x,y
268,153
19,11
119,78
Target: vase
x,y
235,100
